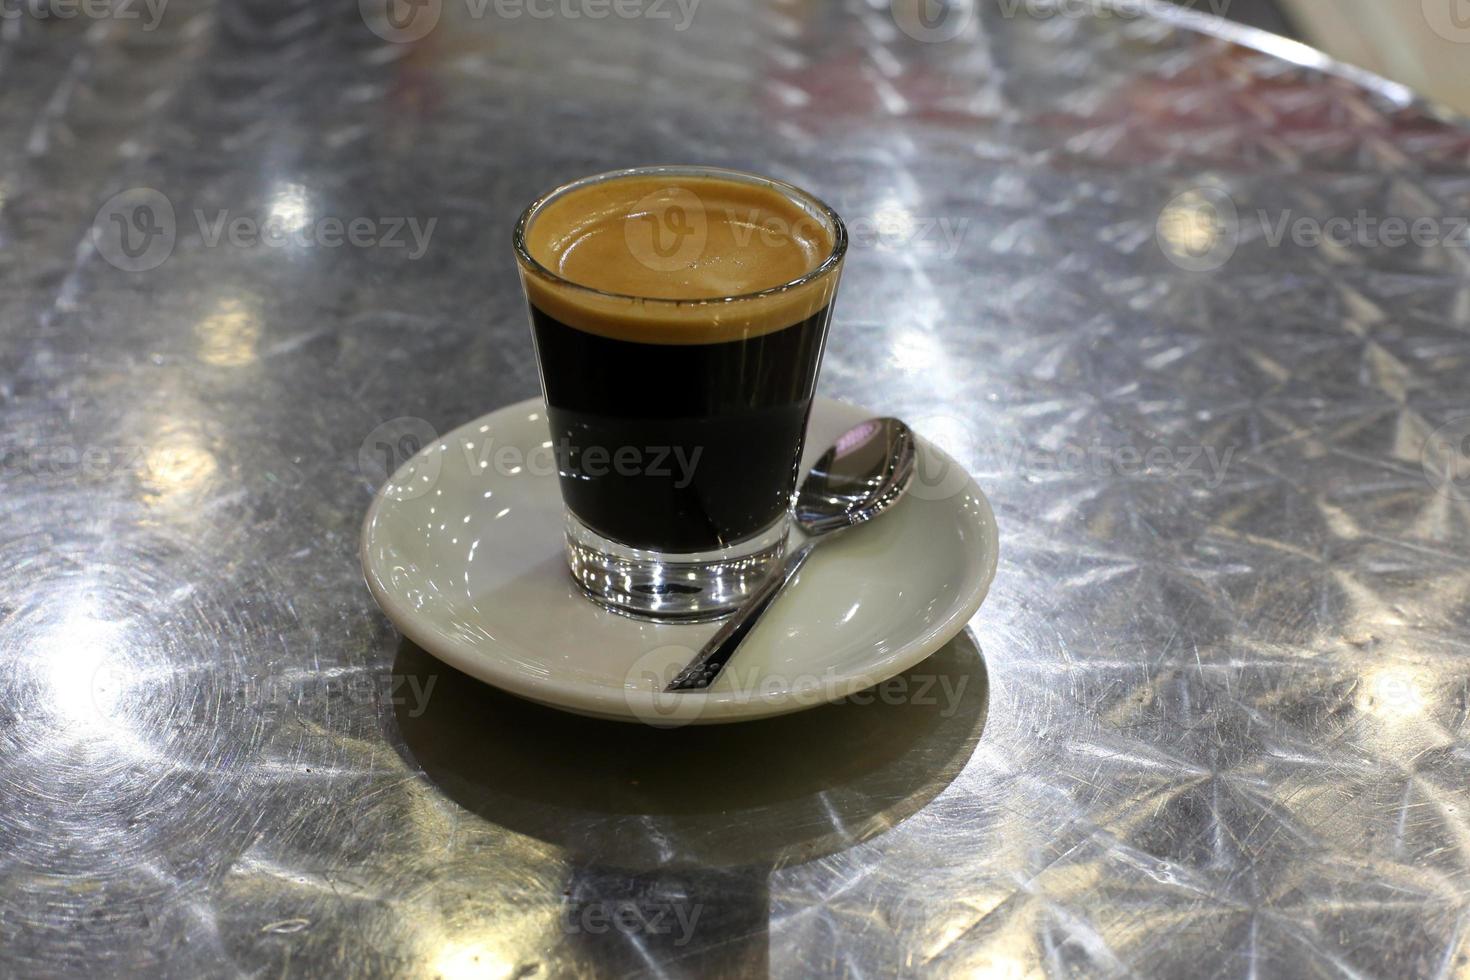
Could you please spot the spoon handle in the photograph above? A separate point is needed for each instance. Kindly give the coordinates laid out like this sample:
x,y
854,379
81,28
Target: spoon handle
x,y
710,660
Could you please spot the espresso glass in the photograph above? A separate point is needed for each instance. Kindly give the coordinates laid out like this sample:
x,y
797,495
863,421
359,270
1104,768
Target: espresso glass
x,y
677,421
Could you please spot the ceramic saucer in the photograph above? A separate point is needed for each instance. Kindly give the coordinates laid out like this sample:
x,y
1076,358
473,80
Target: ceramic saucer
x,y
462,548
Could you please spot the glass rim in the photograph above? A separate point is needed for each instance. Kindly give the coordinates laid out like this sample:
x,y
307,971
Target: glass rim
x,y
801,197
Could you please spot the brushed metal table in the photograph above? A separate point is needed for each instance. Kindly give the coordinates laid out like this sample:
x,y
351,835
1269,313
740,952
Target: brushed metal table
x,y
1212,721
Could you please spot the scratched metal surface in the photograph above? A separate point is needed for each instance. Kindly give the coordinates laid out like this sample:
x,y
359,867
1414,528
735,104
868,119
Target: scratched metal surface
x,y
1220,725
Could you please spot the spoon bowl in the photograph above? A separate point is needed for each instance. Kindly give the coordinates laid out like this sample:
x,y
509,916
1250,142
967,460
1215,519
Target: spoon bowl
x,y
863,474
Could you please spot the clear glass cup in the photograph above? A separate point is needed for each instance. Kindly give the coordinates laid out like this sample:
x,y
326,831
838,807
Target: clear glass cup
x,y
679,383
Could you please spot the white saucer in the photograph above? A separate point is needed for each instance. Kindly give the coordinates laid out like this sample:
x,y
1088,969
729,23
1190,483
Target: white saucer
x,y
462,548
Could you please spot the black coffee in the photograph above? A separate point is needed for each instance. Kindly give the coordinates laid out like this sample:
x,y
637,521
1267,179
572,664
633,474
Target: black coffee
x,y
678,329
678,447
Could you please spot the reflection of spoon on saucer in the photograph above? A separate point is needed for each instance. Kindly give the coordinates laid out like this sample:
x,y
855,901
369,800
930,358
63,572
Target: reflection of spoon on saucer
x,y
862,475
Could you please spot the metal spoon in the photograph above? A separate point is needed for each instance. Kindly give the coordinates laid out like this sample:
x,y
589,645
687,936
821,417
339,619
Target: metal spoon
x,y
866,472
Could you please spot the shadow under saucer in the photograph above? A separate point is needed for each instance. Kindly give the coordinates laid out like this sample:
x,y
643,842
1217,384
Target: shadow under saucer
x,y
763,794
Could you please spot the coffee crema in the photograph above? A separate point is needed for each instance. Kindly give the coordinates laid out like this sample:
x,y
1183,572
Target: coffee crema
x,y
675,259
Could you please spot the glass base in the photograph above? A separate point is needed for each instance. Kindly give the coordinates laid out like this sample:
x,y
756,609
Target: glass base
x,y
687,588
